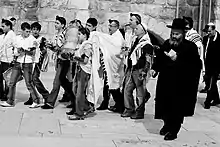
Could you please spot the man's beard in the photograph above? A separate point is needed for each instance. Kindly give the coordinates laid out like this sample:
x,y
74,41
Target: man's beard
x,y
174,42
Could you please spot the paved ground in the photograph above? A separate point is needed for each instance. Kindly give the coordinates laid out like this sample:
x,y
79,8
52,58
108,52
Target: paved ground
x,y
24,127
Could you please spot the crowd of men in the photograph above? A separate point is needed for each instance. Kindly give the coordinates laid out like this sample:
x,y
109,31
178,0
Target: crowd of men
x,y
90,64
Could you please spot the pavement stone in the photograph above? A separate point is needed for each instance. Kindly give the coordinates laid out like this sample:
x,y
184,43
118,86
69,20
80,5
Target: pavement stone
x,y
45,128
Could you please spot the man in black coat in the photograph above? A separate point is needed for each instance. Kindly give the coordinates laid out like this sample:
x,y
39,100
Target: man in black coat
x,y
212,69
179,66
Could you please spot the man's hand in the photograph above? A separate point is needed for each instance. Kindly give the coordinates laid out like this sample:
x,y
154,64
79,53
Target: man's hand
x,y
172,54
153,73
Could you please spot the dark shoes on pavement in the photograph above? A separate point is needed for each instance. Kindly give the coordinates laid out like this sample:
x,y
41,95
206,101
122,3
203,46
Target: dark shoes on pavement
x,y
116,109
164,130
63,100
170,136
127,113
47,106
71,112
102,107
28,102
137,116
76,117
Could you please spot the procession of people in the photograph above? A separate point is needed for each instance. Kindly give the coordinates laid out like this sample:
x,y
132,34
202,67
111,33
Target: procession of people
x,y
90,65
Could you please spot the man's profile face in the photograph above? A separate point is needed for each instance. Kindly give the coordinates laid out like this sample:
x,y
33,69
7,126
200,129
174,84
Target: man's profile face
x,y
133,22
90,27
176,37
26,32
58,25
210,32
5,28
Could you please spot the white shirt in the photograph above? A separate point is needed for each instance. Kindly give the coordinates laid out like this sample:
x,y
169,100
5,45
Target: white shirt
x,y
25,43
7,44
37,51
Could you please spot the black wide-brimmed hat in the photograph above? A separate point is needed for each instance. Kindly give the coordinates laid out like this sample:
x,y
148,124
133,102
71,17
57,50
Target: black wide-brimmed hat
x,y
178,23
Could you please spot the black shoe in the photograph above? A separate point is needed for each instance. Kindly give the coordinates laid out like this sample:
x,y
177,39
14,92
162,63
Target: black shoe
x,y
76,117
47,106
91,110
115,109
70,106
170,136
102,107
164,130
207,106
214,103
28,102
137,116
203,91
127,113
63,100
71,112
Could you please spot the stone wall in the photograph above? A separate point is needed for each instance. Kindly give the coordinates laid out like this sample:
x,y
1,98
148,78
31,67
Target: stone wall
x,y
155,13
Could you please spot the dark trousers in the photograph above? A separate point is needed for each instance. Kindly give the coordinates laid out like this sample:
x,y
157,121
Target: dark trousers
x,y
60,79
116,95
3,86
132,82
173,124
80,85
26,70
212,93
38,84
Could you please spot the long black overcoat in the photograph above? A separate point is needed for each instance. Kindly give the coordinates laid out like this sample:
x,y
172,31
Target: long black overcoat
x,y
177,83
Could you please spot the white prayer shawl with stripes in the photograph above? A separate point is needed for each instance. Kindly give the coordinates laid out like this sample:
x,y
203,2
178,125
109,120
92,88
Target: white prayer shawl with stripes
x,y
111,48
136,54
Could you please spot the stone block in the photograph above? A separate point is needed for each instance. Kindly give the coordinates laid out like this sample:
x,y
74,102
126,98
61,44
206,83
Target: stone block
x,y
79,4
105,5
44,28
120,7
93,5
171,2
70,14
185,11
31,14
167,13
9,2
49,14
160,2
195,15
153,10
99,15
51,28
193,2
30,3
53,3
143,1
138,7
83,16
6,11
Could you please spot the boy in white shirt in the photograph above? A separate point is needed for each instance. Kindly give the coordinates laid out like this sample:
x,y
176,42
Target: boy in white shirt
x,y
25,51
38,60
7,44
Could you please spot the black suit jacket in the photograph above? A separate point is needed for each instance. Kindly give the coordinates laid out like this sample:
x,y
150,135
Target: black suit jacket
x,y
212,55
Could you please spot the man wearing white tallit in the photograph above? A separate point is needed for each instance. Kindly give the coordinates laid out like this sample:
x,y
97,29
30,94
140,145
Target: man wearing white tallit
x,y
139,61
106,55
116,94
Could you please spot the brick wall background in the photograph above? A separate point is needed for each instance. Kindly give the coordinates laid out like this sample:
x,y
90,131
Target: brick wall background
x,y
155,13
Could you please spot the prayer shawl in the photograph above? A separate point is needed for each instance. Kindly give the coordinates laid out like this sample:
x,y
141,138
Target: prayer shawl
x,y
110,46
135,55
193,35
